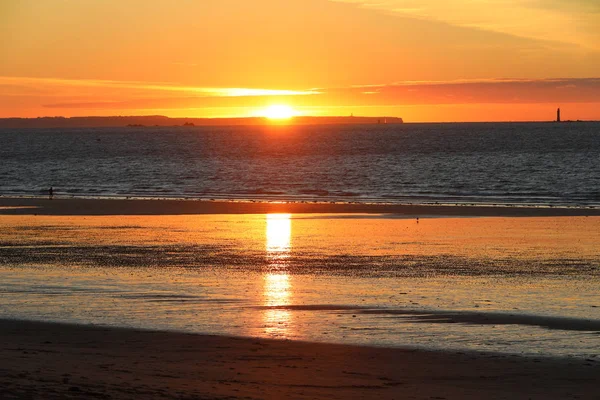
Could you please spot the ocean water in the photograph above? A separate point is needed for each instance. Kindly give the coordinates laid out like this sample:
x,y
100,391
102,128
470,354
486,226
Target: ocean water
x,y
505,285
494,163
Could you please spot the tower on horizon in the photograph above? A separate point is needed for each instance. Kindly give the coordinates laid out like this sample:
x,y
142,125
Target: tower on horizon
x,y
558,115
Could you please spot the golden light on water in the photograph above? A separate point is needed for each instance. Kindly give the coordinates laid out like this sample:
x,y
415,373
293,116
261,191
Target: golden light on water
x,y
277,289
279,235
278,283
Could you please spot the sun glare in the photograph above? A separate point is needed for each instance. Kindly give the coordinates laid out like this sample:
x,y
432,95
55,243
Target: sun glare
x,y
279,233
279,112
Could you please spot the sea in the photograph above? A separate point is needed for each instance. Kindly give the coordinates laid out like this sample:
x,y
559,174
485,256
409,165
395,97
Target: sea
x,y
547,164
525,286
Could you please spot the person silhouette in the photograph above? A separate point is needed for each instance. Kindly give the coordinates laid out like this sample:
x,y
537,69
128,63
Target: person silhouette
x,y
51,192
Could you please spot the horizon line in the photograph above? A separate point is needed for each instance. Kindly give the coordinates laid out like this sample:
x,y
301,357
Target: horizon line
x,y
287,121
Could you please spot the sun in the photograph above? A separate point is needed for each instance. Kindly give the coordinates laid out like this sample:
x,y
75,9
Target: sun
x,y
279,112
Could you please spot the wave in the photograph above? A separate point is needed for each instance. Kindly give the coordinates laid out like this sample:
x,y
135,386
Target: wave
x,y
452,317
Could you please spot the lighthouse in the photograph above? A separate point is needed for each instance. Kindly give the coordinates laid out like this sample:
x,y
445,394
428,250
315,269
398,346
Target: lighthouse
x,y
558,115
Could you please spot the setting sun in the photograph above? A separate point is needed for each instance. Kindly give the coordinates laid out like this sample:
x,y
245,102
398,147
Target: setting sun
x,y
279,112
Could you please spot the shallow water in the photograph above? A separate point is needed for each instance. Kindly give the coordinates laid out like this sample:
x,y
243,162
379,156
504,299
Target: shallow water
x,y
516,285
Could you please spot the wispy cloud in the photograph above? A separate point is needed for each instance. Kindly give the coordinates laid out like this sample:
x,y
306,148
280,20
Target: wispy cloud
x,y
29,83
562,21
482,91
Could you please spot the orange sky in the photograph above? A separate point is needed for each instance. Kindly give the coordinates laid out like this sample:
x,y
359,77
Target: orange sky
x,y
423,60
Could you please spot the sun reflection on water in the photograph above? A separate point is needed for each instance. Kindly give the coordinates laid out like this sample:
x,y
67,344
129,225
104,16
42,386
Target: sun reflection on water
x,y
279,235
277,289
277,282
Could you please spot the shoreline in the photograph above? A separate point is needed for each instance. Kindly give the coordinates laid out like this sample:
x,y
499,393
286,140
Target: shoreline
x,y
56,360
100,207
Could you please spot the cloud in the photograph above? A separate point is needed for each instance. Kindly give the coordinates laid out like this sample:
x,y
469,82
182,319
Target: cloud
x,y
561,21
25,84
483,91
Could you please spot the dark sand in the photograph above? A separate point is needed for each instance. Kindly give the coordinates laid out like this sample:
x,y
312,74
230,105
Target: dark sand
x,y
54,361
69,206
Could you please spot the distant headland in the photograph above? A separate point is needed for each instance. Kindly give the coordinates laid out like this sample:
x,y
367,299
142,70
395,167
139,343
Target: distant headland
x,y
159,120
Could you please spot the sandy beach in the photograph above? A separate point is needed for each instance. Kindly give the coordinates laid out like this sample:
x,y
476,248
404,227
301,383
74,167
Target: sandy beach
x,y
83,206
56,361
52,361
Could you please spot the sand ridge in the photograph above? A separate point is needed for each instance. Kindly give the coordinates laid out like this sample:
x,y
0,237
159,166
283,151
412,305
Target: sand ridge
x,y
85,206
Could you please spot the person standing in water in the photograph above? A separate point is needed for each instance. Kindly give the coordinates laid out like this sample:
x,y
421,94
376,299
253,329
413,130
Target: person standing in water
x,y
51,193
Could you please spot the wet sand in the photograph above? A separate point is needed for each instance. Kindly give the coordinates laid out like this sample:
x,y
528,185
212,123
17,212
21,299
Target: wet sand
x,y
54,361
81,206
